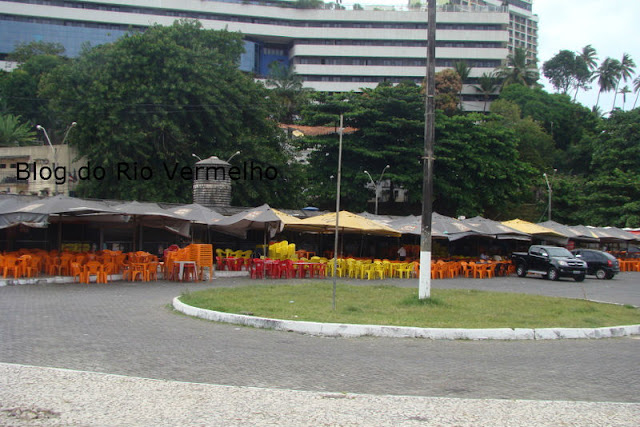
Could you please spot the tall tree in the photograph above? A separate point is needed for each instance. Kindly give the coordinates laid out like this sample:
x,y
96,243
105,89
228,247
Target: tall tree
x,y
287,87
477,169
627,67
19,92
608,75
624,91
464,71
151,99
487,85
613,188
448,88
566,71
518,69
636,89
588,55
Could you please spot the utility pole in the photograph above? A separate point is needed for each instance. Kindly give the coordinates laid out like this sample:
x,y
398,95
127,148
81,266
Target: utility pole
x,y
424,284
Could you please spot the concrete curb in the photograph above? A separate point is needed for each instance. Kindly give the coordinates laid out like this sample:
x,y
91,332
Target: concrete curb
x,y
350,331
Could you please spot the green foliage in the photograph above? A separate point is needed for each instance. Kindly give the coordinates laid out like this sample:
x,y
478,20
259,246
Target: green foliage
x,y
448,90
19,91
535,146
609,191
566,71
476,169
287,91
13,132
568,123
152,99
487,85
518,69
309,4
25,51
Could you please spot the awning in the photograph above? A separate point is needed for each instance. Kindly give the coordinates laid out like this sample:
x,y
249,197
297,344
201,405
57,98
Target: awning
x,y
537,231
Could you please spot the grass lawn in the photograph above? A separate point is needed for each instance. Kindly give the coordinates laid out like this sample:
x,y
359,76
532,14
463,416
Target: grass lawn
x,y
389,305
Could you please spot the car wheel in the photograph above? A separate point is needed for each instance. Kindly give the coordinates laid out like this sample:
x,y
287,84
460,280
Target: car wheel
x,y
552,274
601,274
579,278
520,270
609,276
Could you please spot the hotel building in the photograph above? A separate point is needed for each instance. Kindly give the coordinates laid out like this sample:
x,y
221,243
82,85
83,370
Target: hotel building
x,y
333,50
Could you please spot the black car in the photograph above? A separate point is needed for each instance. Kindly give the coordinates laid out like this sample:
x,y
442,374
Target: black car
x,y
601,264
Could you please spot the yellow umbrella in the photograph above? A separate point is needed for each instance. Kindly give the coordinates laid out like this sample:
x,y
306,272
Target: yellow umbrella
x,y
348,223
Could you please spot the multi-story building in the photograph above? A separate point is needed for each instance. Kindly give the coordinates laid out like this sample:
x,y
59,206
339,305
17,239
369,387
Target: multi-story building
x,y
40,169
523,24
333,50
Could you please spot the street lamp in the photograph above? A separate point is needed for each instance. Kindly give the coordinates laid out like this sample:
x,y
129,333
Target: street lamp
x,y
196,156
55,153
234,154
72,125
550,189
377,185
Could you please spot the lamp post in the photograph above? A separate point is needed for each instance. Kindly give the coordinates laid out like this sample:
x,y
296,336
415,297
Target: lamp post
x,y
55,153
377,185
233,155
550,190
335,241
196,156
66,134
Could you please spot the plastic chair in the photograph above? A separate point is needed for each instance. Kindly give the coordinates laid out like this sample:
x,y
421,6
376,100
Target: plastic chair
x,y
91,268
26,269
151,271
11,265
257,269
287,269
108,269
75,270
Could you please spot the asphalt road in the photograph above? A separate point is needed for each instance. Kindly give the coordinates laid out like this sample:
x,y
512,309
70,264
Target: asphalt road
x,y
130,329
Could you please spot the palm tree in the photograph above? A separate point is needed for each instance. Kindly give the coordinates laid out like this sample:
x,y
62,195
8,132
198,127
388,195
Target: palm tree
x,y
463,71
287,88
518,69
607,75
588,56
624,91
488,83
13,132
627,66
636,89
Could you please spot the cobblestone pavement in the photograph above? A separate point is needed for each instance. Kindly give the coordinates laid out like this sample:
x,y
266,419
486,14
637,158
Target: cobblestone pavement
x,y
130,329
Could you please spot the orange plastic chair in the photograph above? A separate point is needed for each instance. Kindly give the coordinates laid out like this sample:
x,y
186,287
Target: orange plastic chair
x,y
26,268
151,271
108,269
92,268
76,271
11,265
65,260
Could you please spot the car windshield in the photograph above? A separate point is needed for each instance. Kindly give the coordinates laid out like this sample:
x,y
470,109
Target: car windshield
x,y
559,252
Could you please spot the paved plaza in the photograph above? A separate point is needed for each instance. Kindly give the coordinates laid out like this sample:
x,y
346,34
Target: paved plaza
x,y
130,329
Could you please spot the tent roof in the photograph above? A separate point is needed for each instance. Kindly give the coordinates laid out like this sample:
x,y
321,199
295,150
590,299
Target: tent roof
x,y
348,222
197,213
489,227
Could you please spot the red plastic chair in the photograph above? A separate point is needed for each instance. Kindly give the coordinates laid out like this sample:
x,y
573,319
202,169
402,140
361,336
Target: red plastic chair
x,y
257,269
286,269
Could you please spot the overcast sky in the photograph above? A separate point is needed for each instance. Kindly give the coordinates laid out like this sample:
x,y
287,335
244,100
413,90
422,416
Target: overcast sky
x,y
612,27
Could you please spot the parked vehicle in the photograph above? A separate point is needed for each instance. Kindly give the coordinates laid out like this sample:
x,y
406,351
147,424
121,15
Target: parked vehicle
x,y
551,262
601,264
